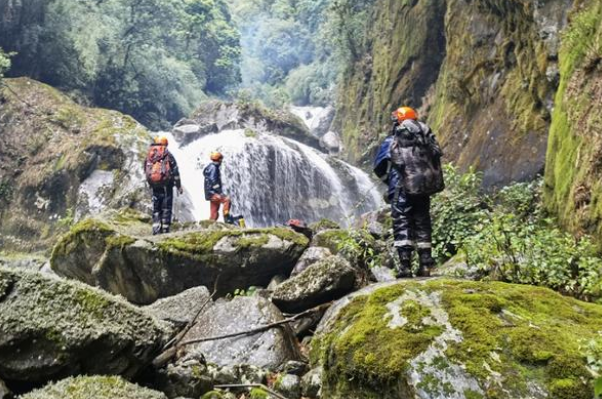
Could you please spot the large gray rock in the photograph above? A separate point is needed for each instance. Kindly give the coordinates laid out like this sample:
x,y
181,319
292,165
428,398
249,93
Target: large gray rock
x,y
144,269
453,339
181,308
248,116
188,131
269,349
51,328
94,387
327,280
311,256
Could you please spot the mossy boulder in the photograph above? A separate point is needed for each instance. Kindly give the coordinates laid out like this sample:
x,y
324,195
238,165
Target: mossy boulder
x,y
454,339
324,281
97,387
268,349
253,117
62,161
52,328
144,269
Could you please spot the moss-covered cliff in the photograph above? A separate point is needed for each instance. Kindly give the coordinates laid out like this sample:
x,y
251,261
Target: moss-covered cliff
x,y
573,184
50,146
483,72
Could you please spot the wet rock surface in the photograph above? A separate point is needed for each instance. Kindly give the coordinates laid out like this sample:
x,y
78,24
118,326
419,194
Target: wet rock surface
x,y
267,350
324,281
144,269
52,329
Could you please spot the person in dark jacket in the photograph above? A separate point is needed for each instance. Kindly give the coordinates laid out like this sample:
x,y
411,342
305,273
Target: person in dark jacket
x,y
162,174
214,190
409,162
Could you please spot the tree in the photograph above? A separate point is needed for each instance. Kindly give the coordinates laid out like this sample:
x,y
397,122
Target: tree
x,y
153,59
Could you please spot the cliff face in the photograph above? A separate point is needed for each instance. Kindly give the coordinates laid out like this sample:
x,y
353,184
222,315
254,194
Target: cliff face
x,y
573,183
61,161
482,72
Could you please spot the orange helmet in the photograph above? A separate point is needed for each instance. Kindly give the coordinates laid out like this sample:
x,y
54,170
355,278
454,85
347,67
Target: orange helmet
x,y
404,113
161,140
216,156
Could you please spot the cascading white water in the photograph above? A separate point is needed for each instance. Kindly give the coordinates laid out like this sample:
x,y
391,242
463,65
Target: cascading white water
x,y
273,179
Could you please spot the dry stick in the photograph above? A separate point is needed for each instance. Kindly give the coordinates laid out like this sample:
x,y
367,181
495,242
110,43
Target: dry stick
x,y
261,386
254,330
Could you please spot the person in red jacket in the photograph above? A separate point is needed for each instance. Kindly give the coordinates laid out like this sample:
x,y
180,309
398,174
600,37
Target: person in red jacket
x,y
162,174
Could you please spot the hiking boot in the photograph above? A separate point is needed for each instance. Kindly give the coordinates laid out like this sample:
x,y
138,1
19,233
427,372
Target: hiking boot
x,y
405,260
426,263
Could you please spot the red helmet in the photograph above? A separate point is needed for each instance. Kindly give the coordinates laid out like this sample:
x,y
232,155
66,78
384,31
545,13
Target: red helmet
x,y
216,156
404,113
161,140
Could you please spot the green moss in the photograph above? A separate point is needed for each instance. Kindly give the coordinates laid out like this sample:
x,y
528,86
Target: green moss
x,y
89,229
119,241
68,314
573,169
252,241
324,224
362,347
527,335
202,243
258,393
213,395
93,387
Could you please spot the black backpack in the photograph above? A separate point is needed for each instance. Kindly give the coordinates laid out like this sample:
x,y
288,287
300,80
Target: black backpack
x,y
416,154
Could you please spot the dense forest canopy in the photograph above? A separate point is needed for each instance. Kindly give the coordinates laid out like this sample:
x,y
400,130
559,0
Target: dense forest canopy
x,y
153,59
156,60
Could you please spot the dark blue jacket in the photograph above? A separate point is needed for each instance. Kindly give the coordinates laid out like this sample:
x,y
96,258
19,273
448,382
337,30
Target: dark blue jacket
x,y
382,162
213,180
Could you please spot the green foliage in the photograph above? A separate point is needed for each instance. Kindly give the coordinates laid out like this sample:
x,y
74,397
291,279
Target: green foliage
x,y
507,236
152,59
244,292
358,246
458,212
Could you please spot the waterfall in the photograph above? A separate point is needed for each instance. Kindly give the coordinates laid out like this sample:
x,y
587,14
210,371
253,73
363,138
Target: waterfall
x,y
272,179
